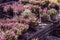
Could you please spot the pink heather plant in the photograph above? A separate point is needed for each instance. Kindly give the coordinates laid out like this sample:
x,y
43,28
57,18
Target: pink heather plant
x,y
14,27
20,7
2,35
17,7
10,33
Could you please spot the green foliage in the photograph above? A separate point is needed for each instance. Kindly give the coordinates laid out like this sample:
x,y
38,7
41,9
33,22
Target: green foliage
x,y
52,11
43,15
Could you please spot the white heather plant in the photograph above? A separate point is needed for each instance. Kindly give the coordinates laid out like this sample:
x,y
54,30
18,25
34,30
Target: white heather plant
x,y
52,11
26,12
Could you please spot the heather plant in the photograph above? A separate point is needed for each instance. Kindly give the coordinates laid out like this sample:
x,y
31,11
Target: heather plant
x,y
26,12
25,16
52,11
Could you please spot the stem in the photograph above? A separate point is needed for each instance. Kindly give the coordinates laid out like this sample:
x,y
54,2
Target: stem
x,y
49,18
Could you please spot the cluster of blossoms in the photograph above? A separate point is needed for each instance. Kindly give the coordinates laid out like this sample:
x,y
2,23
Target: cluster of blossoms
x,y
12,29
25,14
15,6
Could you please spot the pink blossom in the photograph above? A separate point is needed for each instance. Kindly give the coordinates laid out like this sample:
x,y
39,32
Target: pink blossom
x,y
10,32
29,6
15,7
35,6
15,28
2,35
8,24
27,20
7,7
20,7
1,24
26,26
